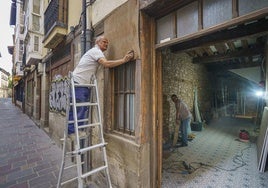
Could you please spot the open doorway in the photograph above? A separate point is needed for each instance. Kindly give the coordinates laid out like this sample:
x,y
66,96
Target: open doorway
x,y
227,78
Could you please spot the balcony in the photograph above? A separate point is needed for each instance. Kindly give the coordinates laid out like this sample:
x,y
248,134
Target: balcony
x,y
33,58
55,25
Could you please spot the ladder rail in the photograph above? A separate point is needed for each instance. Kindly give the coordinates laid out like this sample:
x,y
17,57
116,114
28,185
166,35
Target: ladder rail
x,y
77,147
64,139
101,132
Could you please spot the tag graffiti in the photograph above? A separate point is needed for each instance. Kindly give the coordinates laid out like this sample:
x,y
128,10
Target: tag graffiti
x,y
58,96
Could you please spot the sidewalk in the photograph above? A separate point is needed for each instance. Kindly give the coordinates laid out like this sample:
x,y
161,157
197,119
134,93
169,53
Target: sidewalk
x,y
28,157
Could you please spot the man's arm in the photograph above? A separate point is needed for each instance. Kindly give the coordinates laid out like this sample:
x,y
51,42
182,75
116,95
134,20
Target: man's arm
x,y
114,63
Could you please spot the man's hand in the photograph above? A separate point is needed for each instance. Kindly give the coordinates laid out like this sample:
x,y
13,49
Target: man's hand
x,y
129,56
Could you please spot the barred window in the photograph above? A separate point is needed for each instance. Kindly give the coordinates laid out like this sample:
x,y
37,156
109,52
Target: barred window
x,y
124,98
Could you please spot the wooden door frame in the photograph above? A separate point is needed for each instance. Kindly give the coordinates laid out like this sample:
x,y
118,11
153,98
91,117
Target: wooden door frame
x,y
159,115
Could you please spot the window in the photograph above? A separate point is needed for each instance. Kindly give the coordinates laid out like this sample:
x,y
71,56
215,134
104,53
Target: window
x,y
124,98
36,7
30,91
165,28
36,23
36,43
216,12
21,50
187,19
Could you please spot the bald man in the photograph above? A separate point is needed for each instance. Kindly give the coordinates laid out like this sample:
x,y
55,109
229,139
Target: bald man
x,y
86,68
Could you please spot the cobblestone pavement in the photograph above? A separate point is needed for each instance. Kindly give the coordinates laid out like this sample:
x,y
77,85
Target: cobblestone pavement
x,y
28,157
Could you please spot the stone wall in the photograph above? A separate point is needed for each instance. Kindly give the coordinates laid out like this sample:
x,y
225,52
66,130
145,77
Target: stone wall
x,y
182,77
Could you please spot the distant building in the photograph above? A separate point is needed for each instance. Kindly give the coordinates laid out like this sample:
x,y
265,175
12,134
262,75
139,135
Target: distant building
x,y
4,83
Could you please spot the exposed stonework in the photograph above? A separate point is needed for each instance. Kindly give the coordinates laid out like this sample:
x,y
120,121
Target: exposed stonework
x,y
181,77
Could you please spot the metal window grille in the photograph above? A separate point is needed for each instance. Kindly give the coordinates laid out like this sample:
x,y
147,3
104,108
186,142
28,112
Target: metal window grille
x,y
124,98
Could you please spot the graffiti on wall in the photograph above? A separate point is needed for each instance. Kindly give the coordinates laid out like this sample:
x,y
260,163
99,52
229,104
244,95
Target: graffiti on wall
x,y
59,94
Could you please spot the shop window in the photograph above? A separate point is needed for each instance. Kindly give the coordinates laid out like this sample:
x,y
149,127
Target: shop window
x,y
124,98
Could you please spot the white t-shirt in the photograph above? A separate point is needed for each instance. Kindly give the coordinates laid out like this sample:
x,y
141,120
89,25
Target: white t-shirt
x,y
87,65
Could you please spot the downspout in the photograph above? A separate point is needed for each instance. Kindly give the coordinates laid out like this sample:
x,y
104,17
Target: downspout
x,y
84,27
89,33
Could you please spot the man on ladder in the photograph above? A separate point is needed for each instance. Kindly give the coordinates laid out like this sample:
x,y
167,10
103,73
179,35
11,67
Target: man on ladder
x,y
82,75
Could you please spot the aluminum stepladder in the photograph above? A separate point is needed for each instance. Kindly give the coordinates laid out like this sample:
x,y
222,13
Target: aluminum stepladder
x,y
78,151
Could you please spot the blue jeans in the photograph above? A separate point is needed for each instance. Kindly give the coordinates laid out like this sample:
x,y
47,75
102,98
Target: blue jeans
x,y
184,126
82,94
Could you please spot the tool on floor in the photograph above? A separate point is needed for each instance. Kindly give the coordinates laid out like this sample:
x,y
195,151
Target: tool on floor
x,y
82,132
187,167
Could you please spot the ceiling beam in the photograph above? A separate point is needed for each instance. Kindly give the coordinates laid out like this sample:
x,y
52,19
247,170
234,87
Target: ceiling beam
x,y
248,52
258,28
233,64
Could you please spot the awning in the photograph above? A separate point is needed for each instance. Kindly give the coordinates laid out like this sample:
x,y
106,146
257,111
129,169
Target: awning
x,y
16,78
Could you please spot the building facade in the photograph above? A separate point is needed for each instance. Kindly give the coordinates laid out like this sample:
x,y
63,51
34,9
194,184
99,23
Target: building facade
x,y
134,97
4,81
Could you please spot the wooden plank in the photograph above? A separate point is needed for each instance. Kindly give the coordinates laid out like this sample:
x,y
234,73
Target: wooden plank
x,y
231,46
221,48
244,43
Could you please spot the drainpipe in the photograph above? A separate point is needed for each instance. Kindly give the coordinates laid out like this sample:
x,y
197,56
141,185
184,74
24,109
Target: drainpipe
x,y
87,34
90,31
84,27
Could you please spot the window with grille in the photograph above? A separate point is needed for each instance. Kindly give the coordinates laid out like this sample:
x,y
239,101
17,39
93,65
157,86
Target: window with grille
x,y
124,98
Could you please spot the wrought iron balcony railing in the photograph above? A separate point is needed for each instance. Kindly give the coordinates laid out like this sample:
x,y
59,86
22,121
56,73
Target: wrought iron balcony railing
x,y
56,15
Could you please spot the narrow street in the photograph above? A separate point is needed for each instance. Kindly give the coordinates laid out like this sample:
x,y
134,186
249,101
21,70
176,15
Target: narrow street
x,y
28,157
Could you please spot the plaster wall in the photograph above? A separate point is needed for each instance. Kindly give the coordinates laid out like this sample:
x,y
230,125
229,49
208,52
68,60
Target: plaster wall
x,y
56,126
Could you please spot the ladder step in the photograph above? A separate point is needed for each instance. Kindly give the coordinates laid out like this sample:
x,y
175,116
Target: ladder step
x,y
84,85
68,167
94,171
83,150
85,104
88,125
78,121
71,166
82,135
86,174
68,181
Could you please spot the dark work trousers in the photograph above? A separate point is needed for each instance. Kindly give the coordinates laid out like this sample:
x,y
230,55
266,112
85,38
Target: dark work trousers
x,y
82,95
